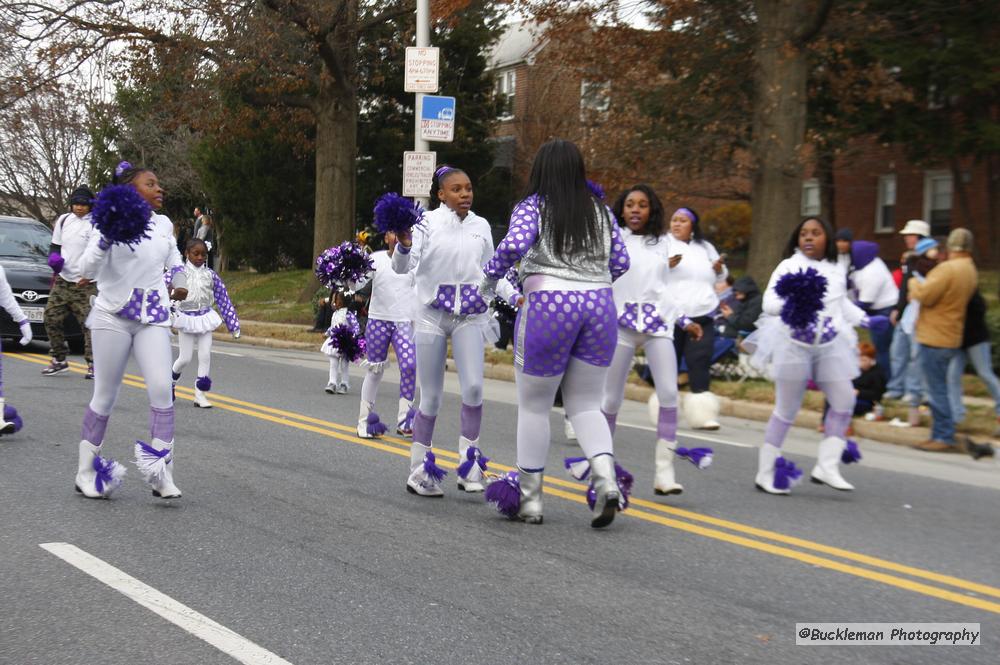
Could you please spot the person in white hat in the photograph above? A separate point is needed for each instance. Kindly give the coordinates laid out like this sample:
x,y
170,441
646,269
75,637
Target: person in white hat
x,y
901,350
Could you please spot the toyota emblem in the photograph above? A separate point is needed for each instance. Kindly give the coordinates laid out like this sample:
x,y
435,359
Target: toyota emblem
x,y
29,296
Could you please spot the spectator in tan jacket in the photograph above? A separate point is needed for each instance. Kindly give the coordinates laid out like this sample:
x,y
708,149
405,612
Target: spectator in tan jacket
x,y
943,299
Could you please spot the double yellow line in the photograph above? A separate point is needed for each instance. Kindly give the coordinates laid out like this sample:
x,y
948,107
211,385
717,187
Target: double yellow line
x,y
961,591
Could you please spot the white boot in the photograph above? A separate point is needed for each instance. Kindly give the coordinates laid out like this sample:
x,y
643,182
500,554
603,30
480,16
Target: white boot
x,y
402,427
96,477
664,483
423,482
363,425
5,427
473,481
156,464
701,411
827,469
767,457
200,400
568,429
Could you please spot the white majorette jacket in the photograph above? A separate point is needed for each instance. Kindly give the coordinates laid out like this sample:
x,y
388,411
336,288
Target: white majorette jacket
x,y
8,303
838,315
205,289
692,281
643,300
393,293
447,259
130,280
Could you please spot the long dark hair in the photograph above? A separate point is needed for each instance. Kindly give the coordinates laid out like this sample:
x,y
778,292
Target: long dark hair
x,y
829,253
442,173
569,210
654,226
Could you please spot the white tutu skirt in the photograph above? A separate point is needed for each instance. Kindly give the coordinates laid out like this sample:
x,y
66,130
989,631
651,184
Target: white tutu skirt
x,y
328,349
776,354
196,325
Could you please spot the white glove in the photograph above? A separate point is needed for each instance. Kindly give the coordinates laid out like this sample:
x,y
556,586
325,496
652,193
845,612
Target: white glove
x,y
236,334
25,332
208,244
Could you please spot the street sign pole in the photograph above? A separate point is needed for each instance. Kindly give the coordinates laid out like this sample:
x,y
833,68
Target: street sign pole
x,y
423,41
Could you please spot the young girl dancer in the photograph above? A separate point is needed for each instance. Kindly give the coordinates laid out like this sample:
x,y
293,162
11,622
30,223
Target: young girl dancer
x,y
570,251
646,315
10,422
390,321
807,333
446,253
130,316
196,318
341,345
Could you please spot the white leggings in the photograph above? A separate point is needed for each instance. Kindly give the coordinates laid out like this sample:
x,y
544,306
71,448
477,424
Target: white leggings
x,y
112,347
582,389
432,354
788,395
188,343
662,363
340,370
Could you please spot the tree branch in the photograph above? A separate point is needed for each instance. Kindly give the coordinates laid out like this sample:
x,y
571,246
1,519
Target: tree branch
x,y
406,7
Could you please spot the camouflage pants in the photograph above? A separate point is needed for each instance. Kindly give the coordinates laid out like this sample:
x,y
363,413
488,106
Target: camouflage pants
x,y
66,297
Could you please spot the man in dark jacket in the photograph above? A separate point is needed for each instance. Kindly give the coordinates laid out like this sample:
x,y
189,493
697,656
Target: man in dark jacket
x,y
742,317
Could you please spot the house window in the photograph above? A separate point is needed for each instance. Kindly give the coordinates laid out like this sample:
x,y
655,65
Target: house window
x,y
937,201
595,99
885,208
810,197
506,89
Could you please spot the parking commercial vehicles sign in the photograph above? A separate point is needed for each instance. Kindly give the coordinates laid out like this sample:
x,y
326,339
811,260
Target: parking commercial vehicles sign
x,y
437,118
418,170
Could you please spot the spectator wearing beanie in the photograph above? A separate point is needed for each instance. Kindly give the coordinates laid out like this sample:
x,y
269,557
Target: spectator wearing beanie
x,y
943,297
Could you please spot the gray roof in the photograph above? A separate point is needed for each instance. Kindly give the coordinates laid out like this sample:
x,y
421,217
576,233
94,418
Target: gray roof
x,y
519,42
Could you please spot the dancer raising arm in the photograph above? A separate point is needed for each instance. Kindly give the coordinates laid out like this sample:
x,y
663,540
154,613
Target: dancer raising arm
x,y
570,251
130,317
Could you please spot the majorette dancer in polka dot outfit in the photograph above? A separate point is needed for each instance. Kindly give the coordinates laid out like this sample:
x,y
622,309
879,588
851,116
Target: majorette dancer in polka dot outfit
x,y
131,317
570,251
646,317
196,317
390,321
446,253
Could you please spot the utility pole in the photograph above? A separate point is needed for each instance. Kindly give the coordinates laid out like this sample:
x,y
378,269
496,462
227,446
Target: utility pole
x,y
423,41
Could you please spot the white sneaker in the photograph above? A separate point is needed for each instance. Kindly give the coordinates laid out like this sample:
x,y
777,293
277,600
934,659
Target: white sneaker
x,y
330,389
343,388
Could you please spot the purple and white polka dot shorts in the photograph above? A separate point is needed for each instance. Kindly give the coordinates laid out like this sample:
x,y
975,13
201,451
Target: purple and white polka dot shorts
x,y
554,325
643,318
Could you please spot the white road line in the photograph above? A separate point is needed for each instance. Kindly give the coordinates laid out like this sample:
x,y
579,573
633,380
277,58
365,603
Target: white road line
x,y
199,625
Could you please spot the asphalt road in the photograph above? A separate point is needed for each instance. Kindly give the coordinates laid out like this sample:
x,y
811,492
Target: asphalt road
x,y
300,539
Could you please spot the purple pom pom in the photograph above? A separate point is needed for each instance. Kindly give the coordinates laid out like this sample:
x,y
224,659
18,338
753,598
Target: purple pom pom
x,y
10,415
433,471
851,453
505,494
347,262
347,340
700,457
375,426
803,293
122,215
407,424
203,384
56,262
786,474
595,189
396,213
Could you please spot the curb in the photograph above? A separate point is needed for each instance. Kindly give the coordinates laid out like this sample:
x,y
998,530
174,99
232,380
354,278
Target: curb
x,y
882,432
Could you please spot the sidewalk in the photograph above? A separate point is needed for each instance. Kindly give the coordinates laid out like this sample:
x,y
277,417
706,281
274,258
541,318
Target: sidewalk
x,y
875,431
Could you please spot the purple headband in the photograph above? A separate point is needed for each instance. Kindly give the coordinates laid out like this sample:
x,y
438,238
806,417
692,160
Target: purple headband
x,y
121,168
687,212
441,171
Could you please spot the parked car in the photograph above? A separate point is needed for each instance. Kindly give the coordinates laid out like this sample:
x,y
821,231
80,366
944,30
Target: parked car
x,y
24,252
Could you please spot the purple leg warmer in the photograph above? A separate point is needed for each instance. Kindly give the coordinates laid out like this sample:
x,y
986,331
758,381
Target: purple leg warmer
x,y
94,427
423,428
472,420
161,423
666,423
777,430
612,419
836,423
